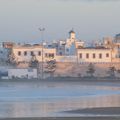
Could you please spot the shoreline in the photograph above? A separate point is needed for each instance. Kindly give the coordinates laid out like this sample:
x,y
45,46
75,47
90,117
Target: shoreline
x,y
65,79
97,111
107,113
111,111
64,118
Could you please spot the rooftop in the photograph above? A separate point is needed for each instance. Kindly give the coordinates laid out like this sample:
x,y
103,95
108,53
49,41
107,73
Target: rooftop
x,y
72,31
98,48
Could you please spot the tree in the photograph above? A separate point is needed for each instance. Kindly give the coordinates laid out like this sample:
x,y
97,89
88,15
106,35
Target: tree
x,y
12,59
34,62
79,74
91,70
50,67
118,71
111,71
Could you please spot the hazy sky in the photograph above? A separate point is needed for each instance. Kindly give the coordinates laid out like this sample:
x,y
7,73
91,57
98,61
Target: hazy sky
x,y
91,19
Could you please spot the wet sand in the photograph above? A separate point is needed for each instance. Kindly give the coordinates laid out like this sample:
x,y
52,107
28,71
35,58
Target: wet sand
x,y
100,111
103,111
66,118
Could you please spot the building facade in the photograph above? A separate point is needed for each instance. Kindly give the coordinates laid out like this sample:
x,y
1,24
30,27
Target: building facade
x,y
98,55
27,53
70,50
22,73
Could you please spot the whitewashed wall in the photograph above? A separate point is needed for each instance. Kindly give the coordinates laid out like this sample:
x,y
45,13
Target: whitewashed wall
x,y
22,73
96,52
28,57
71,58
66,58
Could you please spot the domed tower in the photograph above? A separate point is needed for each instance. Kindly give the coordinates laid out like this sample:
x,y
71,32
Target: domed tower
x,y
72,34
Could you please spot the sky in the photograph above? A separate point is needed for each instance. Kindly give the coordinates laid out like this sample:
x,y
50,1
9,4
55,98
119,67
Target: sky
x,y
20,20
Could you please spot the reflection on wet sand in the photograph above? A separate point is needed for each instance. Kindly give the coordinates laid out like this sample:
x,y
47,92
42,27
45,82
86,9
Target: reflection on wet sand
x,y
54,105
47,109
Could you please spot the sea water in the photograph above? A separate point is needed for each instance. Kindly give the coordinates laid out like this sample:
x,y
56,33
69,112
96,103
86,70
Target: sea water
x,y
51,99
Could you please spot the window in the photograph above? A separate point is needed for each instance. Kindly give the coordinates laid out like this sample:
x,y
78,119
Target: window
x,y
25,53
67,50
80,47
19,53
107,54
100,55
94,55
60,53
46,55
39,53
87,55
80,55
51,55
32,53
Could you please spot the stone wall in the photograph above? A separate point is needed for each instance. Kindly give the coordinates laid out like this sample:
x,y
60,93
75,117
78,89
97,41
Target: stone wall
x,y
74,69
78,69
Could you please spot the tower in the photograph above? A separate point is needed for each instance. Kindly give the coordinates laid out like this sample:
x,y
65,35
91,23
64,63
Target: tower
x,y
72,34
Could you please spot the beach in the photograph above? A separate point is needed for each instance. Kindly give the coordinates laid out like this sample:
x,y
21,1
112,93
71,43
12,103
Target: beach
x,y
66,118
59,100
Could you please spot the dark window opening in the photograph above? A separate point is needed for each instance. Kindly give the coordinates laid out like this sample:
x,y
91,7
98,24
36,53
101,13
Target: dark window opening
x,y
32,53
107,55
87,55
25,53
19,53
100,55
94,55
39,53
60,53
80,55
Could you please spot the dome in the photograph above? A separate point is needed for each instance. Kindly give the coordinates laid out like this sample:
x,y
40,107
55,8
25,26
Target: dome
x,y
71,31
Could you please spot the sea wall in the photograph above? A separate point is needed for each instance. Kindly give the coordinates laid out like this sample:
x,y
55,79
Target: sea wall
x,y
73,69
79,69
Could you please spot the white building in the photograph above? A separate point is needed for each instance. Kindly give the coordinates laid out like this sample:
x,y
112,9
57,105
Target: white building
x,y
114,45
61,48
22,73
26,53
72,44
70,50
95,55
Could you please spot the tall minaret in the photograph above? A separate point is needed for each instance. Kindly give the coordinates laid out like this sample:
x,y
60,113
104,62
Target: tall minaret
x,y
72,34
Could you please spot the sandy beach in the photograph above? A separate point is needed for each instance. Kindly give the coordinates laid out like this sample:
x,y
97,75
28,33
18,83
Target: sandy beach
x,y
41,100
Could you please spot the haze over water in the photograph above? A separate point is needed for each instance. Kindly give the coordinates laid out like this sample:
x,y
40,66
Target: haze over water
x,y
91,19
